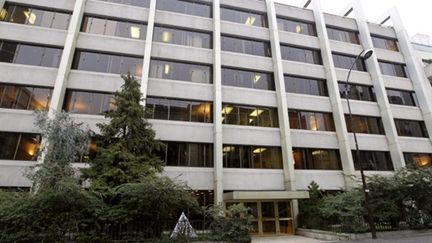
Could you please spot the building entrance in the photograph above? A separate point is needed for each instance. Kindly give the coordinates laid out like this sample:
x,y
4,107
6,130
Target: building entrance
x,y
270,217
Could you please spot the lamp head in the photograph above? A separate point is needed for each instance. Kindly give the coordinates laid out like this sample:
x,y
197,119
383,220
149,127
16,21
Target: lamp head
x,y
367,53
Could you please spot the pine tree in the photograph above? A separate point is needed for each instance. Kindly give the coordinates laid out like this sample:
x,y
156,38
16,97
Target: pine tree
x,y
126,145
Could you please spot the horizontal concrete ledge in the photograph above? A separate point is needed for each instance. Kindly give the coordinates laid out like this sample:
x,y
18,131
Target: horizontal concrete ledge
x,y
265,195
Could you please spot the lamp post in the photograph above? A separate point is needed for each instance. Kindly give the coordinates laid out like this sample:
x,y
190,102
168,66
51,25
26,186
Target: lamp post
x,y
365,54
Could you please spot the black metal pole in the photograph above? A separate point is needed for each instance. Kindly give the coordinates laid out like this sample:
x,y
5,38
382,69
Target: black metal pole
x,y
357,154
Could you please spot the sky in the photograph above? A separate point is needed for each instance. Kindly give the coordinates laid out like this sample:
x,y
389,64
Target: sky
x,y
413,12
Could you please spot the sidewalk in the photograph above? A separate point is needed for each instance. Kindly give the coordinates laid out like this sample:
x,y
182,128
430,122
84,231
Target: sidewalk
x,y
285,239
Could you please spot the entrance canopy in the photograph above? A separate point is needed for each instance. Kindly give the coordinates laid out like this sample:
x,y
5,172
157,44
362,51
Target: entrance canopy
x,y
265,195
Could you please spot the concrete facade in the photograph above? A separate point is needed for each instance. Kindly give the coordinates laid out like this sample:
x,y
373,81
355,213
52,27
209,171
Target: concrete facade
x,y
220,179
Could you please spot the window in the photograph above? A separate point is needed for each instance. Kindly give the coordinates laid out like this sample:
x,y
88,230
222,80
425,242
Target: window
x,y
247,79
411,128
299,54
309,86
179,110
107,63
249,116
139,3
401,97
196,73
85,102
343,35
34,16
244,17
343,61
245,46
19,146
373,160
182,37
252,157
187,154
364,124
393,69
385,43
296,26
316,159
12,52
311,120
120,28
24,97
420,160
357,92
190,7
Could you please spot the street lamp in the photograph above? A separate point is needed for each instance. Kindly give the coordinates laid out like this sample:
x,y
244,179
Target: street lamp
x,y
365,54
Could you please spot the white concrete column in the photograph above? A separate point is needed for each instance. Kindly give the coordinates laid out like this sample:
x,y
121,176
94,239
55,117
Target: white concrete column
x,y
416,72
379,88
285,135
336,102
67,57
147,50
217,106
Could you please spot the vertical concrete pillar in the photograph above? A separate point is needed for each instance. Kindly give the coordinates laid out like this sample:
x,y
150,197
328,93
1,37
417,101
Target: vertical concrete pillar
x,y
416,72
217,106
147,50
288,160
67,57
379,88
336,102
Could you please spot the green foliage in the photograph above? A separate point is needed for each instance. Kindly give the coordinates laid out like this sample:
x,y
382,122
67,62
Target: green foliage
x,y
126,145
348,208
231,225
309,208
64,141
49,215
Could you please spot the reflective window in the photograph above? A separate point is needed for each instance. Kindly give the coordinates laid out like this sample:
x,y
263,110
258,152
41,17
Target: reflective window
x,y
249,115
244,17
90,154
121,28
247,79
19,146
107,63
316,159
420,160
343,35
309,86
19,53
411,128
196,73
252,157
357,92
179,110
401,97
364,124
187,154
246,46
385,43
139,3
344,61
24,97
300,54
34,16
182,37
191,7
296,26
85,102
373,160
393,69
311,120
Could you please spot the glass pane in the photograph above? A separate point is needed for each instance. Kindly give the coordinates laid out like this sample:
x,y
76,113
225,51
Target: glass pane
x,y
8,145
27,147
267,210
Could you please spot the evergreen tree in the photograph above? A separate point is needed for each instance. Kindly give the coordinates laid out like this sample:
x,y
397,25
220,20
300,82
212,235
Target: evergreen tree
x,y
126,145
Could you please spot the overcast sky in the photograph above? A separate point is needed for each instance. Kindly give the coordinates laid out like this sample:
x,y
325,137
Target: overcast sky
x,y
416,14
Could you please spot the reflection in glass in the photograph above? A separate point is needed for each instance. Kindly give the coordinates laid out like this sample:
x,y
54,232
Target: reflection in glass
x,y
316,159
187,154
373,160
343,35
296,26
182,37
364,124
120,28
19,146
344,61
24,97
107,63
242,156
85,102
311,120
190,7
246,46
181,71
247,79
244,17
12,52
411,128
300,54
179,110
420,160
357,92
309,86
